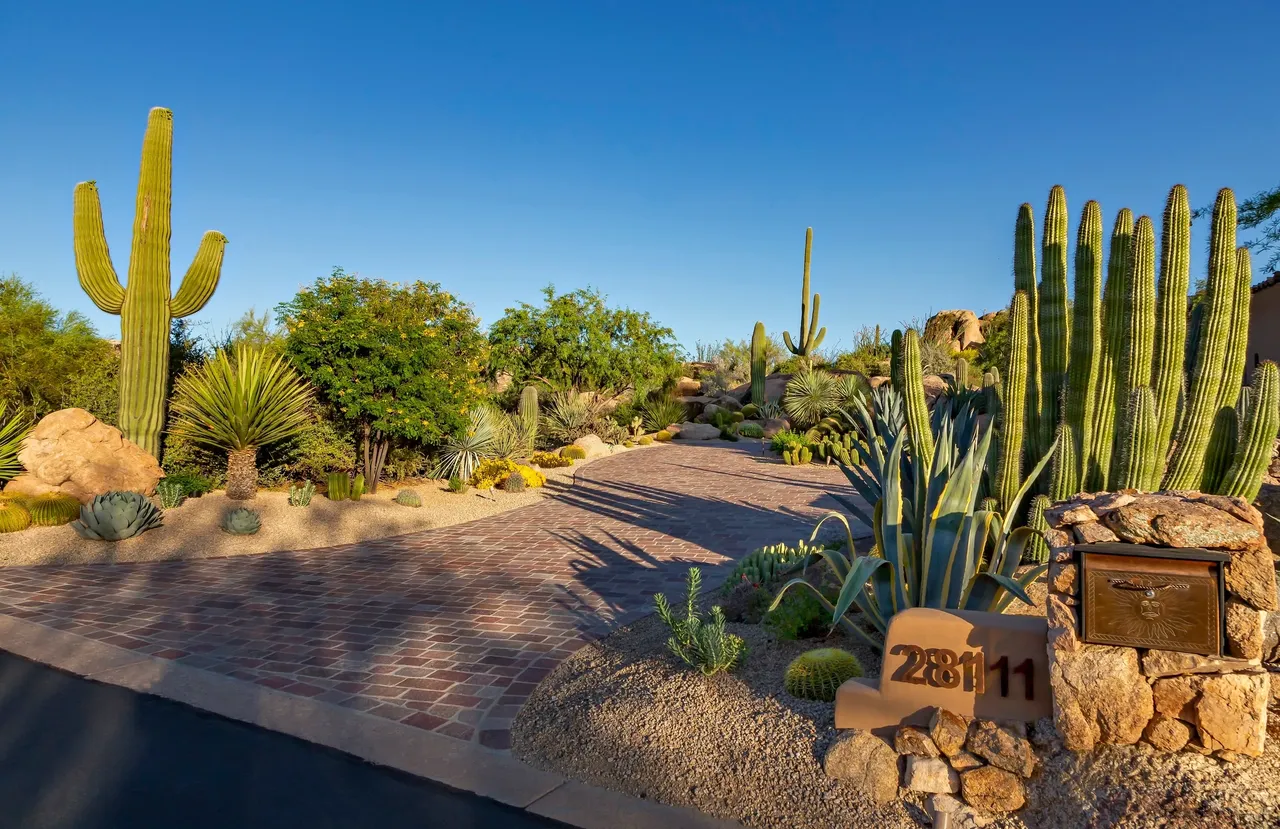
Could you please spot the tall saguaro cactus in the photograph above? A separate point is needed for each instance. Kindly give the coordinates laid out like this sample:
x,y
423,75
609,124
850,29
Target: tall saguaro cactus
x,y
1187,465
1171,316
1086,350
758,367
145,305
808,341
913,401
1053,323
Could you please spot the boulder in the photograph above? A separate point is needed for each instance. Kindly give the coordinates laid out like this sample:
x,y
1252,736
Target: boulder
x,y
934,386
592,445
726,401
695,402
774,425
698,431
72,452
913,741
1244,630
930,775
709,411
866,762
1064,577
1167,520
687,387
1251,575
963,761
1001,747
1231,714
990,789
1271,638
1167,734
1099,696
1093,533
1268,501
958,329
948,731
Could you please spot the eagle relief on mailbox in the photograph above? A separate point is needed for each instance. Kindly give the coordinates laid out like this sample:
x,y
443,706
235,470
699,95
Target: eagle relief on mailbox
x,y
989,665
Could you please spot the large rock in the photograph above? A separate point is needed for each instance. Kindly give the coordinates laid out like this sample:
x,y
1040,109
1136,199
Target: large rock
x,y
1268,501
1158,663
866,762
1099,696
727,401
1244,630
1168,734
72,452
688,387
1166,520
1271,639
1002,747
910,740
930,775
934,386
774,425
1251,575
958,329
592,445
1231,714
698,431
1175,696
948,731
990,789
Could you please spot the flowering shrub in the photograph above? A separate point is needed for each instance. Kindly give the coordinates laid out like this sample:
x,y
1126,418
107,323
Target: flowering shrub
x,y
495,471
550,460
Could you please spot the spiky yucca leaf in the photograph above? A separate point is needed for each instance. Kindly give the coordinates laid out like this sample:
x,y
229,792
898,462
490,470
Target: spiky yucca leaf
x,y
12,433
810,396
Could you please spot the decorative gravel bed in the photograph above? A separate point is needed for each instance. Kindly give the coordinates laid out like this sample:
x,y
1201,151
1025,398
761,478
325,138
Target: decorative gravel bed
x,y
624,714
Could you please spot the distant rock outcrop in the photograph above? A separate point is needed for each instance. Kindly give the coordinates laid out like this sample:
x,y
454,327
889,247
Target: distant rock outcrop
x,y
958,329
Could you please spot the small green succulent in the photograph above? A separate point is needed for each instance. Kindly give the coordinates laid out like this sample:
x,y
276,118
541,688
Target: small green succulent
x,y
241,521
300,496
170,493
408,498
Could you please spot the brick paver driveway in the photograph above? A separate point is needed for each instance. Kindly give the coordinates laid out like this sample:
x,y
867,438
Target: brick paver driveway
x,y
449,629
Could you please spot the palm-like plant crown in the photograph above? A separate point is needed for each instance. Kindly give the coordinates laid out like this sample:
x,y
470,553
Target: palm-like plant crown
x,y
241,401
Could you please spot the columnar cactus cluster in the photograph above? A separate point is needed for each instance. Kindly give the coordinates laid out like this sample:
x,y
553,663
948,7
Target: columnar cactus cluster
x,y
1134,398
145,304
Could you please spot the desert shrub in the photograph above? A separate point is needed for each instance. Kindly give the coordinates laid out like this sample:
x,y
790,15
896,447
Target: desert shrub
x,y
464,451
811,396
550,460
513,436
570,415
495,471
788,440
323,447
702,644
751,430
193,484
576,453
936,358
798,616
13,433
456,484
771,410
661,411
404,462
746,602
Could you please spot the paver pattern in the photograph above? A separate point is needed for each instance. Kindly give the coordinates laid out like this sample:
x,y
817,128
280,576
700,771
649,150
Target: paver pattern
x,y
450,629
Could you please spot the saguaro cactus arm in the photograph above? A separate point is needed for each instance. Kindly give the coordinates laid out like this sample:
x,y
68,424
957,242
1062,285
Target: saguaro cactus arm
x,y
93,259
758,367
808,340
201,278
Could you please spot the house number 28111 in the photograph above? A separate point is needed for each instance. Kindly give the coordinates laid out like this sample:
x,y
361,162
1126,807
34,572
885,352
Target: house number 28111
x,y
944,668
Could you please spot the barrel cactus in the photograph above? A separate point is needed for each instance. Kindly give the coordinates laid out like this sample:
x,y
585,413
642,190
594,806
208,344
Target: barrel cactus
x,y
13,516
115,516
515,482
818,673
241,521
53,509
408,498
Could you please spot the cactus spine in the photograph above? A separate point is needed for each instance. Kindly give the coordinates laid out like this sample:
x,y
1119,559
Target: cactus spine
x,y
1053,318
1113,299
758,367
1171,317
1244,478
1086,352
808,341
917,409
1187,465
1024,279
146,306
1013,416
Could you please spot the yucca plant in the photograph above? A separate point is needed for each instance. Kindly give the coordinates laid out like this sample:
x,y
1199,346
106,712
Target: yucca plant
x,y
12,433
571,415
660,411
240,402
810,396
463,453
513,435
932,556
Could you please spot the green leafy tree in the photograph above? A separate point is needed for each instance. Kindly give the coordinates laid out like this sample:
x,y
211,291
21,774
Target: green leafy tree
x,y
394,361
50,360
577,341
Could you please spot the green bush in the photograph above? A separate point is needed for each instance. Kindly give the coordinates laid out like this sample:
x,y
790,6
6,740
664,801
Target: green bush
x,y
788,440
456,484
193,484
798,616
550,460
703,644
751,430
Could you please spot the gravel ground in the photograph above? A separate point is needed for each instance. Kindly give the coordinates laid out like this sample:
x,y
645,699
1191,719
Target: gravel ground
x,y
193,529
622,713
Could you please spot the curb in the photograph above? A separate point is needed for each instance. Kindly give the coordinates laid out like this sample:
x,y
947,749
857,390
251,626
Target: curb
x,y
457,765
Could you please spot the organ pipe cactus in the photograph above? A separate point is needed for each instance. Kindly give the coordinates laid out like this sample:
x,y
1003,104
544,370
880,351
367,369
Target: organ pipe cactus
x,y
895,359
1244,478
145,304
1024,279
1086,353
1132,363
1037,551
1064,482
1171,316
1137,464
758,367
913,397
1114,331
1014,407
1053,323
808,341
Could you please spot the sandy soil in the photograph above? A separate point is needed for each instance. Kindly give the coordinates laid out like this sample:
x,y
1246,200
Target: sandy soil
x,y
193,529
623,714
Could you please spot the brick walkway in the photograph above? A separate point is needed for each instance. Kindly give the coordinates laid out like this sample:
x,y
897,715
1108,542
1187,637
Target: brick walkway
x,y
450,629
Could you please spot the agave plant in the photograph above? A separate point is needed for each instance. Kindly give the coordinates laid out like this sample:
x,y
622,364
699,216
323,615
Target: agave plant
x,y
944,553
513,435
810,396
571,415
12,433
115,516
661,411
463,453
240,402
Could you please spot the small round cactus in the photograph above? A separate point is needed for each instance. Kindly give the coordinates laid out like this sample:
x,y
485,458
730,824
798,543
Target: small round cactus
x,y
13,516
53,509
241,521
575,452
408,498
818,673
515,482
663,435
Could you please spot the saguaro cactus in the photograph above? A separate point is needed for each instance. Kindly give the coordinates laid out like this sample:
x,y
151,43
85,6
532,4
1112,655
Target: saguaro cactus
x,y
1053,323
528,406
1113,296
913,398
1014,411
1171,317
1187,465
758,367
895,359
145,305
808,341
1086,352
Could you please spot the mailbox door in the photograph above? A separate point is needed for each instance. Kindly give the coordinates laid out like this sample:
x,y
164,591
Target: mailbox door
x,y
1145,602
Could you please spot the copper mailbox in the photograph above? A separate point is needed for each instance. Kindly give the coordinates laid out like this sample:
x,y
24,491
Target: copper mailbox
x,y
1152,597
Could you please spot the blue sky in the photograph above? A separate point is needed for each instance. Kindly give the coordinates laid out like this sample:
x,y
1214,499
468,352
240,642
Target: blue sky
x,y
670,154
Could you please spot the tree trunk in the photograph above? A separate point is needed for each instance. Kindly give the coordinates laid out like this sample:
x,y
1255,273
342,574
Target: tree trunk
x,y
242,474
374,447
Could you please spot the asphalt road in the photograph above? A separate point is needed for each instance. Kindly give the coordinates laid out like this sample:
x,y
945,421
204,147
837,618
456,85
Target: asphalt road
x,y
76,754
